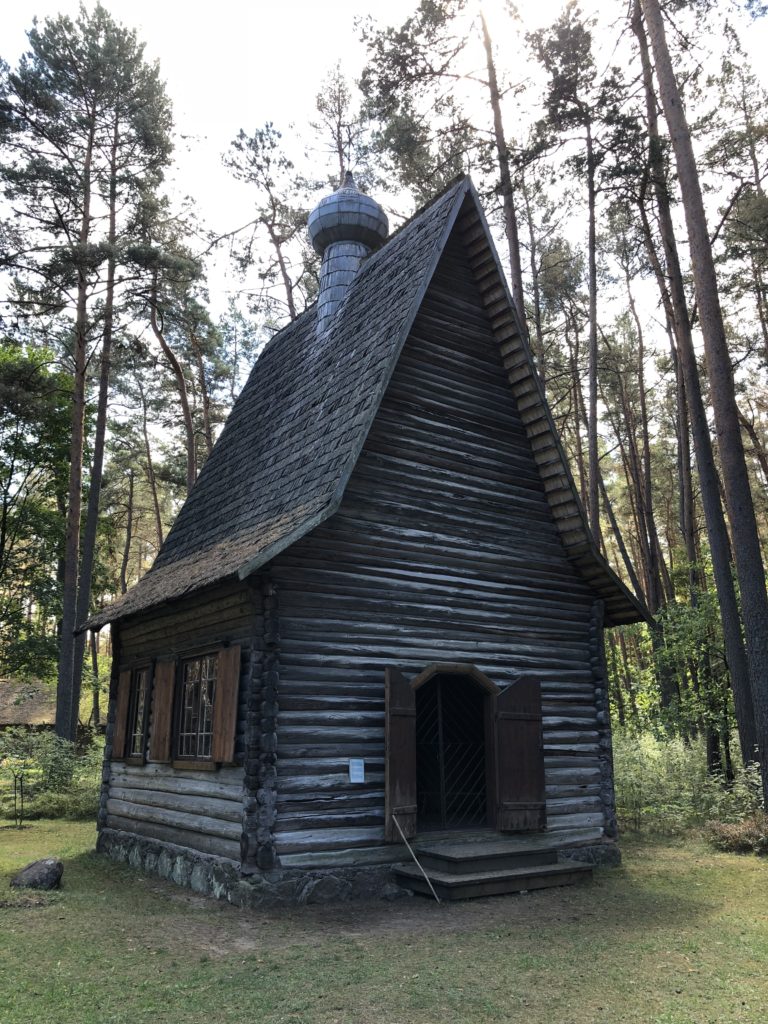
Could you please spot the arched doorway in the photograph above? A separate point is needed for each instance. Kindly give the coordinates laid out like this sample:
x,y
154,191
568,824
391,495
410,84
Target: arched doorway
x,y
460,753
451,768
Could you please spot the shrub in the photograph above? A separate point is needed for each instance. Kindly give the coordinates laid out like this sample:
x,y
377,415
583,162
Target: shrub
x,y
58,781
747,836
79,803
663,786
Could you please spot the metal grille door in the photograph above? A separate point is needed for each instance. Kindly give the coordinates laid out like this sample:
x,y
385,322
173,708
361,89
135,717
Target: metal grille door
x,y
450,754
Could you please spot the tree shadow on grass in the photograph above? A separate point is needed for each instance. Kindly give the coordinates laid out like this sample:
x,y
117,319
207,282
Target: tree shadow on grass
x,y
615,902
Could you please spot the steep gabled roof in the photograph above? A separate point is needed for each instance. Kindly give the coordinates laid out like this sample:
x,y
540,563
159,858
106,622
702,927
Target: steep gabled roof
x,y
295,433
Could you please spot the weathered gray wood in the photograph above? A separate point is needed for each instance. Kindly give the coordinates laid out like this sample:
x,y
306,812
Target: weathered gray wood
x,y
161,773
555,822
388,854
328,838
443,549
192,822
193,808
215,846
226,810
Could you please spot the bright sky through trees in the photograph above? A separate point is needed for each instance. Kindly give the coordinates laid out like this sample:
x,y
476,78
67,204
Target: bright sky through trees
x,y
237,64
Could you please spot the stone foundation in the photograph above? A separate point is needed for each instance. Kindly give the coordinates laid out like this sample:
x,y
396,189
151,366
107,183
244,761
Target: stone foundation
x,y
214,876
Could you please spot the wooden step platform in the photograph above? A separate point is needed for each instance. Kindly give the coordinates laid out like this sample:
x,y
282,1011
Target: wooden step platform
x,y
490,865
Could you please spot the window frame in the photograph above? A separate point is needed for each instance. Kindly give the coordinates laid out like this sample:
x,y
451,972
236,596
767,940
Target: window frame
x,y
195,761
129,756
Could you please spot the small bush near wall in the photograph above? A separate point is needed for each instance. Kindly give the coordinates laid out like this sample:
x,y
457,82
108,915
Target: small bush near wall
x,y
42,776
747,836
663,786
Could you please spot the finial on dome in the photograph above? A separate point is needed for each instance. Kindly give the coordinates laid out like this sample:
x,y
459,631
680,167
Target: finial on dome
x,y
344,228
347,215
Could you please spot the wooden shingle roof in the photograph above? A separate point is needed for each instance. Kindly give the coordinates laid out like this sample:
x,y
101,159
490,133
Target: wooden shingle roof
x,y
26,703
295,433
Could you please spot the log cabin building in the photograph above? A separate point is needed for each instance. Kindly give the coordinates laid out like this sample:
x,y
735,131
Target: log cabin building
x,y
379,614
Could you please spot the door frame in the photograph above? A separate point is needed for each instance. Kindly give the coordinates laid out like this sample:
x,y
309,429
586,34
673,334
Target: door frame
x,y
490,691
513,713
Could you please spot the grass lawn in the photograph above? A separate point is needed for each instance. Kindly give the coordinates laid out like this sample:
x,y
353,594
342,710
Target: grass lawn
x,y
678,935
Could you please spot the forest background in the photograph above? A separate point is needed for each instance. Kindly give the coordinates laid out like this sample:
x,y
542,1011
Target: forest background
x,y
134,303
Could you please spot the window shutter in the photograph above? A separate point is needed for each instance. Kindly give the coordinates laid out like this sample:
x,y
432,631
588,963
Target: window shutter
x,y
121,715
399,756
225,704
519,758
162,711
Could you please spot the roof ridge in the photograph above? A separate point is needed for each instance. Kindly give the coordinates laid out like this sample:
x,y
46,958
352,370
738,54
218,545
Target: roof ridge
x,y
458,180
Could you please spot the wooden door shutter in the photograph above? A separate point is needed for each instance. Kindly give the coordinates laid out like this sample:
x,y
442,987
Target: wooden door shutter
x,y
162,711
399,756
520,800
225,704
121,715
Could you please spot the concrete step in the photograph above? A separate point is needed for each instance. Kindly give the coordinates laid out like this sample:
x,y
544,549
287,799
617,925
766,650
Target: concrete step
x,y
453,886
500,854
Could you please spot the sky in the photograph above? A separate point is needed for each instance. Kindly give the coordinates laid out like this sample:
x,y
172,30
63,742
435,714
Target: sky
x,y
230,65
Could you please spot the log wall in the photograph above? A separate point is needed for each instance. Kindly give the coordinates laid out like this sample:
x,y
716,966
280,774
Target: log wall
x,y
202,810
444,549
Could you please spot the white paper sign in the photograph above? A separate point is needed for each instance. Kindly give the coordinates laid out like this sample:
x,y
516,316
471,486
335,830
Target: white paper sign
x,y
356,769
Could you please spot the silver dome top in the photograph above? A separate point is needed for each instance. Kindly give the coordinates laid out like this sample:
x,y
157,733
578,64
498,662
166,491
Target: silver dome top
x,y
347,215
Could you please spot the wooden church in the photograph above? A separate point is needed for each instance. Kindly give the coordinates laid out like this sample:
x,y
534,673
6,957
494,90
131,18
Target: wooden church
x,y
379,615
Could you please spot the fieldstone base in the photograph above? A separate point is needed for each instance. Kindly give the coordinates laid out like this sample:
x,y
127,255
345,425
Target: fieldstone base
x,y
215,876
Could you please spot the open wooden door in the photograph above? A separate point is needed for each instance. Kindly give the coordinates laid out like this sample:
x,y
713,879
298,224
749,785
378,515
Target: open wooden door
x,y
399,756
519,756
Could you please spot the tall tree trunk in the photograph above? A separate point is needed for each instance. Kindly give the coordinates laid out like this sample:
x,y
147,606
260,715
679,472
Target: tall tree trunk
x,y
277,245
66,711
128,536
620,540
739,666
578,406
181,385
627,673
95,705
758,448
505,180
204,394
614,678
656,565
151,469
593,467
741,513
88,547
538,338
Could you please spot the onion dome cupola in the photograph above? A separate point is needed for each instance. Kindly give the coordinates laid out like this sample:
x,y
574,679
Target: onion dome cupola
x,y
344,228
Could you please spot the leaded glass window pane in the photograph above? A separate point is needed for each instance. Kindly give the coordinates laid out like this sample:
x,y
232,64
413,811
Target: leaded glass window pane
x,y
198,690
139,710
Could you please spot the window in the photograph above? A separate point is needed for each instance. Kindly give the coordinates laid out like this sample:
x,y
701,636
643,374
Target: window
x,y
182,712
131,722
138,714
198,693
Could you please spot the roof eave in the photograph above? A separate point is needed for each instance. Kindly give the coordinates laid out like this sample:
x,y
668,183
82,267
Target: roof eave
x,y
635,609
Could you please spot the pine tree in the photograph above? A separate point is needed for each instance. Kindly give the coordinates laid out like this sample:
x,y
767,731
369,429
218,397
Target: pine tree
x,y
87,122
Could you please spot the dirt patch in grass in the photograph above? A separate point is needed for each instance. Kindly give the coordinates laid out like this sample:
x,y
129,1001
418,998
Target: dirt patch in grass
x,y
679,935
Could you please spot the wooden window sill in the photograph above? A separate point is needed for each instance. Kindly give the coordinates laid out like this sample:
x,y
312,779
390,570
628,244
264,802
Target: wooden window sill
x,y
197,766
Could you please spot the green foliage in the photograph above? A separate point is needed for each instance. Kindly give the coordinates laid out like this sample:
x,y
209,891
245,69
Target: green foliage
x,y
663,786
34,416
58,780
747,836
